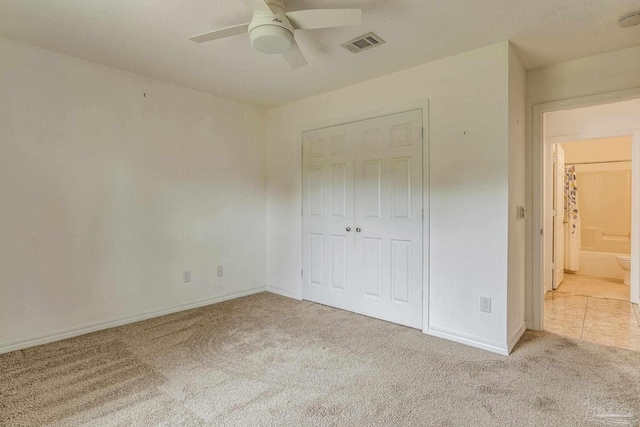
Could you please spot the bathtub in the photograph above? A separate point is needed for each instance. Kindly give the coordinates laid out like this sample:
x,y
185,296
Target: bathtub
x,y
600,264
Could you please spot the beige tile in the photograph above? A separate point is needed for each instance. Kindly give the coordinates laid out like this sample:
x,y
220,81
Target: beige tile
x,y
594,287
593,309
611,322
564,314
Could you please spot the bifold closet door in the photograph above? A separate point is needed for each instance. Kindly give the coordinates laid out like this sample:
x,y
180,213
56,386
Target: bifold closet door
x,y
388,217
328,216
362,217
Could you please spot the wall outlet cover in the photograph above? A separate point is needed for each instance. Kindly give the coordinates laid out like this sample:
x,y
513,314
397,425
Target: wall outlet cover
x,y
485,305
186,276
220,271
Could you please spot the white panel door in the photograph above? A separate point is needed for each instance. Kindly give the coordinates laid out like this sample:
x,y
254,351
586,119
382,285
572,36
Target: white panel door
x,y
388,217
328,216
362,217
559,225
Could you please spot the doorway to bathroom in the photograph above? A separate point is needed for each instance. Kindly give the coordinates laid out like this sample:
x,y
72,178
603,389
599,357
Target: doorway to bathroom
x,y
588,218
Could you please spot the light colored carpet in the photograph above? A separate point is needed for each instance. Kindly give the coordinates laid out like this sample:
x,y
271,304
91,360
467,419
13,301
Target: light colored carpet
x,y
266,360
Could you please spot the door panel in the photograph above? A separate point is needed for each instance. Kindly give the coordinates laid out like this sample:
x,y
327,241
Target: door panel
x,y
372,188
365,177
372,261
338,261
327,213
394,220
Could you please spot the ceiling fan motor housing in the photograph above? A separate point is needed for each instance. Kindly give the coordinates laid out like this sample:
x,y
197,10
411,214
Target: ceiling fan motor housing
x,y
271,33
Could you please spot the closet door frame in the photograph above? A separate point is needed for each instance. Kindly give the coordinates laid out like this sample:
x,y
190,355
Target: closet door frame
x,y
423,106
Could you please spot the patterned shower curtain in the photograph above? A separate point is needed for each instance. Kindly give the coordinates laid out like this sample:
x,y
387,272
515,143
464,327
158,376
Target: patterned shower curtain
x,y
572,216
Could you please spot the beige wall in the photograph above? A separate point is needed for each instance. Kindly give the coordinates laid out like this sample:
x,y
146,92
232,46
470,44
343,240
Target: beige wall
x,y
470,143
108,195
608,72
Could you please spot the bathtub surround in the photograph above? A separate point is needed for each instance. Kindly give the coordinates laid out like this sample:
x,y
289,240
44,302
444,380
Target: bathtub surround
x,y
605,202
603,171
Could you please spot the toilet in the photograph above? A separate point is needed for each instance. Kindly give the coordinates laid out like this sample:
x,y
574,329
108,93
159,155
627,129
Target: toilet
x,y
624,261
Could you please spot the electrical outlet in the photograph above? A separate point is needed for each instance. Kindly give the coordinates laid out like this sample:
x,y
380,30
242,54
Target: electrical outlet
x,y
485,305
220,271
186,276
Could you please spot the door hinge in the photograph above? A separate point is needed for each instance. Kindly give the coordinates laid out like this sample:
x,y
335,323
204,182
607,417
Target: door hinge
x,y
423,214
542,232
301,273
301,211
422,133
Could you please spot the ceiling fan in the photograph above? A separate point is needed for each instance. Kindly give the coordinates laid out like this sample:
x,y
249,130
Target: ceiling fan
x,y
272,27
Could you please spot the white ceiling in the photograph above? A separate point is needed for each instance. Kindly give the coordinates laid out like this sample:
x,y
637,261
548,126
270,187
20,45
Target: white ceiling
x,y
150,37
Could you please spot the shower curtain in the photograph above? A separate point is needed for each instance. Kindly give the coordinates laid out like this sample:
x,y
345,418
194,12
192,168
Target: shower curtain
x,y
572,217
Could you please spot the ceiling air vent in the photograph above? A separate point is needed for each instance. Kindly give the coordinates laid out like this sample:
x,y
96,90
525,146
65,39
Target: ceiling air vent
x,y
367,41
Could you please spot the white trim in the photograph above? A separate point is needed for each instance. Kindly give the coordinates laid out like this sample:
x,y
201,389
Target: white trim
x,y
284,293
513,340
529,324
470,340
424,105
93,327
426,217
537,322
635,218
426,190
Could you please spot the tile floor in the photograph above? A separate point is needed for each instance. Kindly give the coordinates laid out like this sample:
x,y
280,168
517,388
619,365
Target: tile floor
x,y
593,309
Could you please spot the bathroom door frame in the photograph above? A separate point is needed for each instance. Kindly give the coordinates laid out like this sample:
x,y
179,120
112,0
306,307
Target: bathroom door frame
x,y
539,231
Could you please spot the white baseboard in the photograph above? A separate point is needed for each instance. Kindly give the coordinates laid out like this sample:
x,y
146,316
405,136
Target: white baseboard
x,y
513,340
284,293
529,324
93,327
470,340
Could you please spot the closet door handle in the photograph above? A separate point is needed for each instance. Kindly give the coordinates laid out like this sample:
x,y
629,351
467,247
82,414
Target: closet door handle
x,y
348,229
358,230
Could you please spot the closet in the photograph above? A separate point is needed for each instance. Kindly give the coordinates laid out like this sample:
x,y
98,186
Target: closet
x,y
363,217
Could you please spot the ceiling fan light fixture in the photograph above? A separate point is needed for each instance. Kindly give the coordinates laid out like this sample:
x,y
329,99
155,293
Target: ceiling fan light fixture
x,y
629,20
271,39
271,28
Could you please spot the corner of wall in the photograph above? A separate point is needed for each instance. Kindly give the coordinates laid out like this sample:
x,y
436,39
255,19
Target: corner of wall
x,y
517,229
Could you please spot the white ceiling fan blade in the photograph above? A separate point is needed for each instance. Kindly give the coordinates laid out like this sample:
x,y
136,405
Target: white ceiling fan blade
x,y
294,56
259,6
220,34
324,18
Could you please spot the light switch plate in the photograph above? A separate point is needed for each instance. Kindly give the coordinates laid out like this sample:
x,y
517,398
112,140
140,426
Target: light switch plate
x,y
521,212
